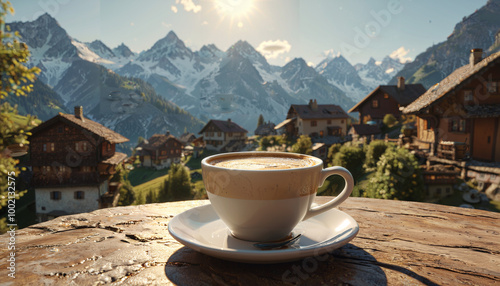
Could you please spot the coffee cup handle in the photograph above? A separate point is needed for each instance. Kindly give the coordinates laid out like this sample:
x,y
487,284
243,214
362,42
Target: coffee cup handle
x,y
346,192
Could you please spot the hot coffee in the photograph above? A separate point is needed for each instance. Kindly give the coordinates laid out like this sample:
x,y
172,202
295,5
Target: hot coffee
x,y
263,162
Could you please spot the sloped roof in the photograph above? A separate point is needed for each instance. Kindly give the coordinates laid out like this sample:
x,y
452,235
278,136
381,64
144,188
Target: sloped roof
x,y
285,122
156,141
115,159
452,82
87,124
366,129
224,126
404,97
324,111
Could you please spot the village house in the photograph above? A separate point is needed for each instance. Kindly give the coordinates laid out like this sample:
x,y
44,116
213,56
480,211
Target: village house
x,y
387,99
461,113
314,120
265,129
187,138
73,159
220,135
160,151
459,119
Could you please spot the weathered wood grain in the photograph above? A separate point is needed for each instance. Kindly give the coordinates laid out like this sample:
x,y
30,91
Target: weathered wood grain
x,y
399,243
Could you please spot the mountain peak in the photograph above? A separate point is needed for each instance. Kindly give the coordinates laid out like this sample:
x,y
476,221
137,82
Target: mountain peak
x,y
172,36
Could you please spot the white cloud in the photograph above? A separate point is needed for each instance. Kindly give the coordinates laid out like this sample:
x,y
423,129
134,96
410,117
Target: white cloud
x,y
401,55
166,25
331,53
272,49
204,23
174,9
189,5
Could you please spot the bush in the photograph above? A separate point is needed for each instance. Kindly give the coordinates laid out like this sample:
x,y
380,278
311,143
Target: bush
x,y
398,177
351,158
373,152
303,145
332,151
389,120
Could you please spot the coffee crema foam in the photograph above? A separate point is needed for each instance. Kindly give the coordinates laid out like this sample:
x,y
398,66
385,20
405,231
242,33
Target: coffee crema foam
x,y
263,163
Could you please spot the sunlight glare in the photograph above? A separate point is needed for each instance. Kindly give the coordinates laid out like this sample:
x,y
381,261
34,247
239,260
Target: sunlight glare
x,y
234,9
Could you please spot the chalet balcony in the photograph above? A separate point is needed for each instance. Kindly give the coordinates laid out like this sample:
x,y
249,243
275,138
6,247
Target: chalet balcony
x,y
66,179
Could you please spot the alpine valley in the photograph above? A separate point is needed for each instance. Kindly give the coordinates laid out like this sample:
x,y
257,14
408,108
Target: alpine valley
x,y
172,88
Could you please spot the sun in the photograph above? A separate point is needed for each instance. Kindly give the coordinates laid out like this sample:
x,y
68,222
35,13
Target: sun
x,y
235,10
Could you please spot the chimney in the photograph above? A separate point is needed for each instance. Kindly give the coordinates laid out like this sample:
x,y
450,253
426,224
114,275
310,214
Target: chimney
x,y
167,133
79,112
476,55
229,120
401,83
313,104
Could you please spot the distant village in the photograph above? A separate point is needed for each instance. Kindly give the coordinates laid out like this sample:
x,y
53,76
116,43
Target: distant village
x,y
453,128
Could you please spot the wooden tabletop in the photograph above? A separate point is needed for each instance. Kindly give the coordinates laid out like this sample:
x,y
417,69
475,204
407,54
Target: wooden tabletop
x,y
399,243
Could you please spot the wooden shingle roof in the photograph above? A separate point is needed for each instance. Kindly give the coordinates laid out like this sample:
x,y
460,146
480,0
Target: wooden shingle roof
x,y
224,126
86,124
454,81
323,111
157,140
404,97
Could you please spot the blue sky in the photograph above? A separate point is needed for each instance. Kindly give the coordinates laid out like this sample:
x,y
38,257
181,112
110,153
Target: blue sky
x,y
280,29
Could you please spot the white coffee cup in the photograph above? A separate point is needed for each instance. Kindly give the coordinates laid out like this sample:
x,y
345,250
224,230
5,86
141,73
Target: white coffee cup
x,y
266,204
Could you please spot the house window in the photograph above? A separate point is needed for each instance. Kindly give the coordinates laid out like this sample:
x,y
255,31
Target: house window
x,y
230,134
77,147
60,129
79,195
52,147
44,147
375,103
314,123
468,95
492,87
321,133
163,152
84,146
386,95
108,146
219,134
86,169
56,195
457,125
171,152
329,121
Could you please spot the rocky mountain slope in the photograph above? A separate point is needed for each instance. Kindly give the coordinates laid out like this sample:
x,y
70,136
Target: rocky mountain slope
x,y
479,30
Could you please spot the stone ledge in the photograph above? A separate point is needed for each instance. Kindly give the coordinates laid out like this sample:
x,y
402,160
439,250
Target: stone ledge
x,y
398,243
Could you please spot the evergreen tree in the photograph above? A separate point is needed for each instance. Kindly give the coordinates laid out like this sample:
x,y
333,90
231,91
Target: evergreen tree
x,y
260,121
179,183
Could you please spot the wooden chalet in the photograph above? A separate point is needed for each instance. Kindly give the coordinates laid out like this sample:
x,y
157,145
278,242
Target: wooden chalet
x,y
160,151
460,115
387,99
73,159
314,120
220,135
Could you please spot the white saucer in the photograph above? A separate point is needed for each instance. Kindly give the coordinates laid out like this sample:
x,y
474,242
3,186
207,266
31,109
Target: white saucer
x,y
202,230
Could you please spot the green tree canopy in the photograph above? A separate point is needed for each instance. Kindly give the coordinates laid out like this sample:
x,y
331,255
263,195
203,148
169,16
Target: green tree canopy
x,y
374,150
303,145
398,177
351,158
15,80
389,120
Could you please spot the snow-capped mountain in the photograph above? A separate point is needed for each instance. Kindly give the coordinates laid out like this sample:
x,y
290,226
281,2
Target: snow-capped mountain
x,y
80,74
238,83
359,80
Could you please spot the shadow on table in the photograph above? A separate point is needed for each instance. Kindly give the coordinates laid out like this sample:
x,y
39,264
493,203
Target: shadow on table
x,y
349,264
